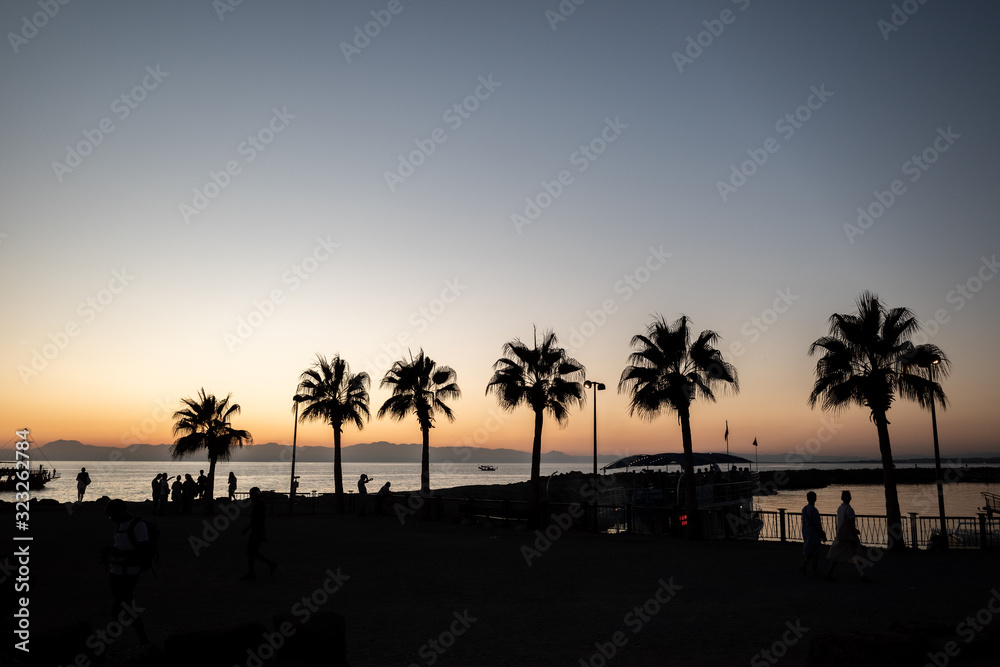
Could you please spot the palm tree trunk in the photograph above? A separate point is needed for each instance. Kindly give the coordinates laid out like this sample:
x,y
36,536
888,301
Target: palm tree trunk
x,y
338,474
893,517
690,492
536,466
210,487
425,456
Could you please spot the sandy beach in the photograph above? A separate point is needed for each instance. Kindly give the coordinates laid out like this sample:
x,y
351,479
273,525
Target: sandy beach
x,y
638,599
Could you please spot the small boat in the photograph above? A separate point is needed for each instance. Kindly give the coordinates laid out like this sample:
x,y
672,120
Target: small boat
x,y
36,479
487,468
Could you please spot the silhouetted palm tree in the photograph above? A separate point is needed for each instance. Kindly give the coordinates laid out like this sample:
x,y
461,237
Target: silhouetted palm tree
x,y
542,377
418,386
667,371
331,393
205,424
867,358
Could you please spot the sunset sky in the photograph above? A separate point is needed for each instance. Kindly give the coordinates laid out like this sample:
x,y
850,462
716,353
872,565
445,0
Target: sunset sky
x,y
195,197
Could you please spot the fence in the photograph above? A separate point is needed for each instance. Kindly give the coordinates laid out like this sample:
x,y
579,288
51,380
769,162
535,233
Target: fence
x,y
978,532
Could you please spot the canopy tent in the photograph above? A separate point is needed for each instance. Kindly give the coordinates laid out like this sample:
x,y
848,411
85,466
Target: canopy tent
x,y
672,458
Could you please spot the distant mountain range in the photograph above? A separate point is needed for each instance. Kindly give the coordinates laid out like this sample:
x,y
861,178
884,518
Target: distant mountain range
x,y
370,452
387,452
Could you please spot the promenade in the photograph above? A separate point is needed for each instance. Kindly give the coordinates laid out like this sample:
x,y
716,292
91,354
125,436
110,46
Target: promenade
x,y
640,599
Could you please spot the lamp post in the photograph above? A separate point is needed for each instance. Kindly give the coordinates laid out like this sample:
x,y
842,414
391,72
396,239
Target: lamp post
x,y
931,363
596,386
295,434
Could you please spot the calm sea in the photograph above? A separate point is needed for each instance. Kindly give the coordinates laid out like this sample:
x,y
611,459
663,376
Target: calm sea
x,y
130,480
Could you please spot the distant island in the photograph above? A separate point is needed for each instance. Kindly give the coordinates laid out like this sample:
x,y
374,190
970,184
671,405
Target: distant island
x,y
369,452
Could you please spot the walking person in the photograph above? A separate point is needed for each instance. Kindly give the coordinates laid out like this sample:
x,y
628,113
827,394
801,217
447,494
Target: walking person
x,y
232,485
130,548
82,482
258,535
846,545
812,535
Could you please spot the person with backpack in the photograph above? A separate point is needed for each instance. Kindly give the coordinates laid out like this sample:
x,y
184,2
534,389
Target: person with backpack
x,y
130,554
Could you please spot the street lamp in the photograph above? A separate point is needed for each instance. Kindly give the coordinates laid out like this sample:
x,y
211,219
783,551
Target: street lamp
x,y
293,483
596,386
930,364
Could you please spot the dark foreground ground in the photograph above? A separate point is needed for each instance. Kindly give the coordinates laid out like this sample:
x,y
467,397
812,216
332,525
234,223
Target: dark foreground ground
x,y
406,584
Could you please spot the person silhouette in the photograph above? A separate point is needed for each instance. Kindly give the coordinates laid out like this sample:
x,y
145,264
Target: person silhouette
x,y
202,485
175,494
164,493
257,536
812,534
130,545
232,485
82,482
155,485
363,494
846,545
188,491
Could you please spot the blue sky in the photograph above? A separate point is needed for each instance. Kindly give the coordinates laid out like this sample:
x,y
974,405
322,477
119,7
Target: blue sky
x,y
306,248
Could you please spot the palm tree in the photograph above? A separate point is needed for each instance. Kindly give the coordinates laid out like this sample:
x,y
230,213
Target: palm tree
x,y
331,393
542,377
418,386
867,358
667,371
205,424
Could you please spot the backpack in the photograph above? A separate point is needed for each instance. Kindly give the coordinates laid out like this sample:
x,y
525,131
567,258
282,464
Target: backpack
x,y
145,562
